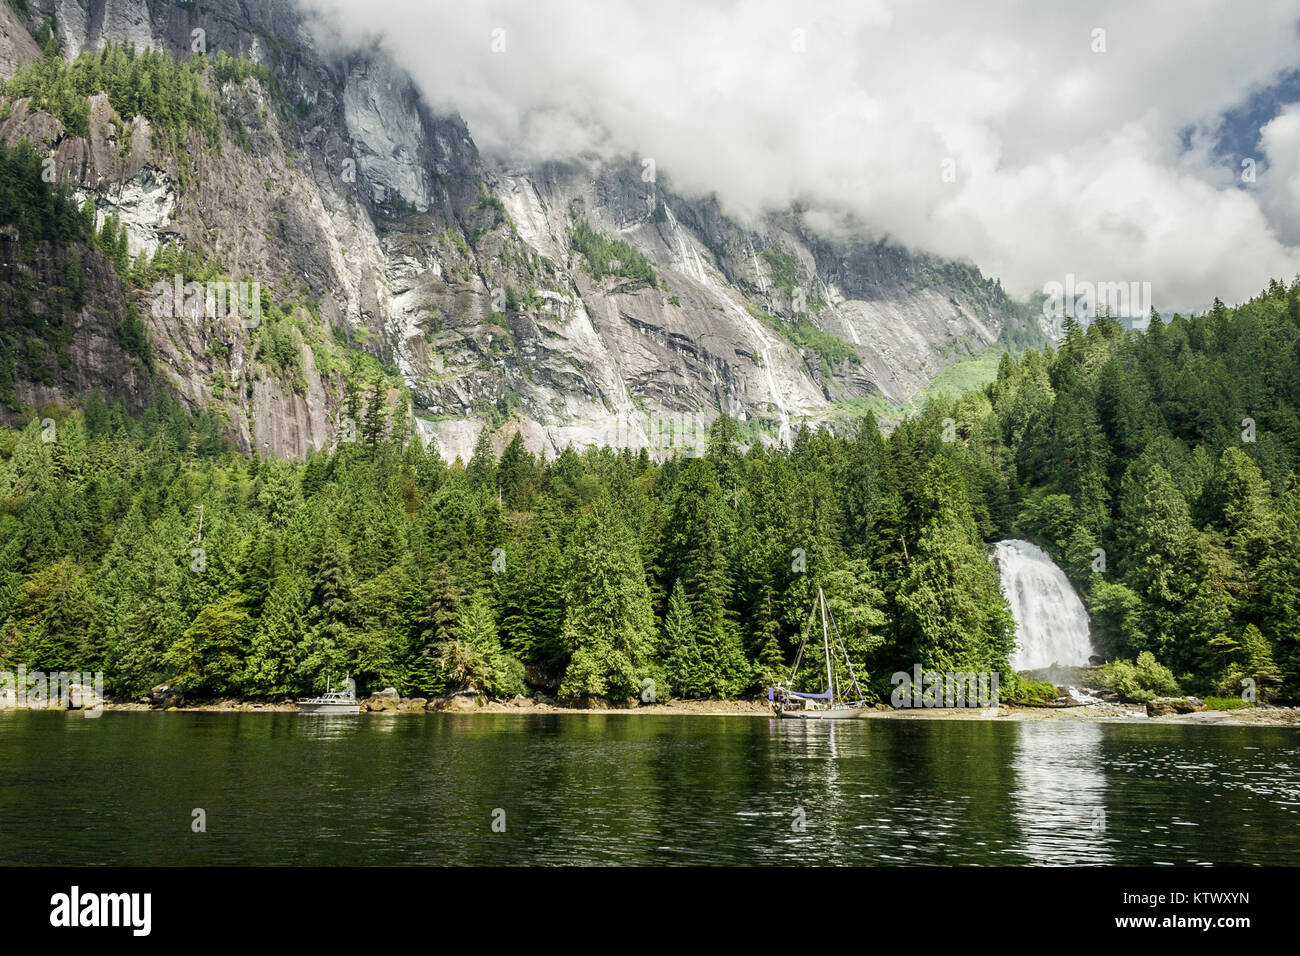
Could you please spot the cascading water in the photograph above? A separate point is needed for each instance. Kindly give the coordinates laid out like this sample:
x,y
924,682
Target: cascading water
x,y
1051,622
765,344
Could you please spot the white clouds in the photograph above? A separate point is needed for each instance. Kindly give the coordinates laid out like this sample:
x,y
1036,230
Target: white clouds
x,y
1068,160
1281,141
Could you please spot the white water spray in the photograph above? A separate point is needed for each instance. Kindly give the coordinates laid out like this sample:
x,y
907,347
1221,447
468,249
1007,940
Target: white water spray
x,y
758,273
1051,622
848,326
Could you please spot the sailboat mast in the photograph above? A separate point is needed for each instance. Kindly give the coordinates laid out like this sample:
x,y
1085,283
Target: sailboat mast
x,y
826,640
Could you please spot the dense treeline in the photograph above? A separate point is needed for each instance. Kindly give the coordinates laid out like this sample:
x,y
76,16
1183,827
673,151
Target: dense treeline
x,y
1174,452
148,550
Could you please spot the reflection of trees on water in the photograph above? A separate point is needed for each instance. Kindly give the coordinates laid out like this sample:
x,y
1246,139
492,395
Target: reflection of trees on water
x,y
942,792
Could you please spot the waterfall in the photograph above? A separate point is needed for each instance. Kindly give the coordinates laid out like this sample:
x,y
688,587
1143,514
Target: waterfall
x,y
1051,622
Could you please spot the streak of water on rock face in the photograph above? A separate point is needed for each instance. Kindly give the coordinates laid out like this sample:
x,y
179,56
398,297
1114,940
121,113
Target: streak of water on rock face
x,y
1051,621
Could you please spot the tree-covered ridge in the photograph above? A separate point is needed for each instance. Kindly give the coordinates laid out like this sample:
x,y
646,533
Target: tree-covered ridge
x,y
152,84
592,572
175,96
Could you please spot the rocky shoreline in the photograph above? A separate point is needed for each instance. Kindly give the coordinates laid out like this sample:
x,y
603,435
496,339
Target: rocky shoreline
x,y
468,703
389,703
1107,712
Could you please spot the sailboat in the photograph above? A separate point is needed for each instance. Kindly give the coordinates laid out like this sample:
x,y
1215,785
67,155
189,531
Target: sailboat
x,y
830,704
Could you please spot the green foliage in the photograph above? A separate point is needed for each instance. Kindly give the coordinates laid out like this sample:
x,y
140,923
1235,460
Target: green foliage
x,y
610,257
237,69
472,657
131,334
700,533
951,602
280,348
8,377
208,654
488,201
681,654
609,626
831,349
38,212
1029,692
1141,682
1226,703
783,269
965,375
172,95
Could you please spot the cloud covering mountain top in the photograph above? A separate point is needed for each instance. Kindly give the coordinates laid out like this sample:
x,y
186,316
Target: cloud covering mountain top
x,y
1035,142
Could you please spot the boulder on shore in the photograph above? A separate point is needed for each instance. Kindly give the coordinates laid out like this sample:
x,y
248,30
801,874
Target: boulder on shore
x,y
166,697
1168,706
464,700
386,700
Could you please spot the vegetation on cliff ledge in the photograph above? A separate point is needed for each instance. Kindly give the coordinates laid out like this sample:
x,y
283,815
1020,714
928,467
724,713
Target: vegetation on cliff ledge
x,y
610,257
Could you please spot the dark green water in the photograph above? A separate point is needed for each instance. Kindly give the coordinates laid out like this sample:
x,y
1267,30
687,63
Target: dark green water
x,y
288,789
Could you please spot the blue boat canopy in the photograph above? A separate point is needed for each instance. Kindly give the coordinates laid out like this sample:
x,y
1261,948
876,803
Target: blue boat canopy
x,y
823,696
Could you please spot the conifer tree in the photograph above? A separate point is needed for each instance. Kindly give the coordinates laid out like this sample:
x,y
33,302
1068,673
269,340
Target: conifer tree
x,y
376,420
681,653
609,627
472,658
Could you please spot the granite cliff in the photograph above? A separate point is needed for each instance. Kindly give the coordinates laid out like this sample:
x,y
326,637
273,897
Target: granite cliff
x,y
574,302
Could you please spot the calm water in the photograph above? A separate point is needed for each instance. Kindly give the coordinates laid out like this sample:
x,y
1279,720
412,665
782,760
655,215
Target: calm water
x,y
288,789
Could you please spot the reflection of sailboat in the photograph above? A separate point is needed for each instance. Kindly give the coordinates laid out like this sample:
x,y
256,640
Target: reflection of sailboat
x,y
830,704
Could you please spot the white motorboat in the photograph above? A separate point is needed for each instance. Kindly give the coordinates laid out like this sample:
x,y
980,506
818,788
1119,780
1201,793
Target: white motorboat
x,y
332,702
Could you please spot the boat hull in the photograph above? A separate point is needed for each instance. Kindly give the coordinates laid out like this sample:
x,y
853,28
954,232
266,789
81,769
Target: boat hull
x,y
839,713
328,709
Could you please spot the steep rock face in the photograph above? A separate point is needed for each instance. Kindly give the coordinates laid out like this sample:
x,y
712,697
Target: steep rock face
x,y
86,24
16,45
907,312
382,115
463,276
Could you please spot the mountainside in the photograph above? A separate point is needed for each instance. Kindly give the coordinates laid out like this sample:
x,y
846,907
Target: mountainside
x,y
576,302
